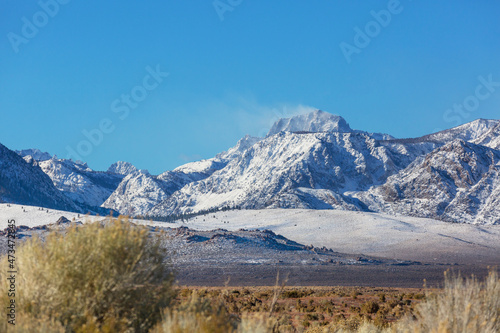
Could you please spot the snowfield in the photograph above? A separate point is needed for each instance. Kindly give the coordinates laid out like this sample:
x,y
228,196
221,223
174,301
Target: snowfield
x,y
392,237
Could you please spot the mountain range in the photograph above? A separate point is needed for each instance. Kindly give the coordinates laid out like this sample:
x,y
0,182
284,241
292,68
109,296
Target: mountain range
x,y
313,161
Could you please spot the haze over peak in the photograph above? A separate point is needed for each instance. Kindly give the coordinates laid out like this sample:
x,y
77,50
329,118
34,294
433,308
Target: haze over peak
x,y
315,121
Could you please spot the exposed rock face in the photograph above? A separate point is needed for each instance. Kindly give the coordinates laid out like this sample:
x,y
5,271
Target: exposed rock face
x,y
458,182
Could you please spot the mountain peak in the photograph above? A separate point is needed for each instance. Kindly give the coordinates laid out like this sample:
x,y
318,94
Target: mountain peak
x,y
243,144
36,154
315,121
122,168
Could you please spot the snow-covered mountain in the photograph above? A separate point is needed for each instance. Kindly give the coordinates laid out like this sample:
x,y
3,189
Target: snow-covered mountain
x,y
122,168
36,154
86,187
22,181
80,183
297,170
139,192
316,121
459,181
491,138
317,161
314,161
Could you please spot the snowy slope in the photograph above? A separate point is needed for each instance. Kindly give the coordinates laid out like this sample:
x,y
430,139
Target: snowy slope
x,y
23,181
467,132
491,138
139,192
458,182
243,144
294,170
395,237
80,183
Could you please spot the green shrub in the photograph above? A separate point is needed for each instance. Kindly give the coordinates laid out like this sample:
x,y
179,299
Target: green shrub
x,y
112,275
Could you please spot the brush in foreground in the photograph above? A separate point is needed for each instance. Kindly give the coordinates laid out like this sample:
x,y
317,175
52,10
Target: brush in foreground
x,y
93,277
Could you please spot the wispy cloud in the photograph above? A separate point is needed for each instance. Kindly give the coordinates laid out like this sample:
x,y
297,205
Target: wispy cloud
x,y
254,118
190,158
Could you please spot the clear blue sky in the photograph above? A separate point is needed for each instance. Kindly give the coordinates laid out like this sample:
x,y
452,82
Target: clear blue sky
x,y
232,77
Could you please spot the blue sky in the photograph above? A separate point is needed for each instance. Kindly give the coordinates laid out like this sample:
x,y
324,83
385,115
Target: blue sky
x,y
233,68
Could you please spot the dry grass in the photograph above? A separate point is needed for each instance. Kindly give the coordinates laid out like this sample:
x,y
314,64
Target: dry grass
x,y
465,305
93,277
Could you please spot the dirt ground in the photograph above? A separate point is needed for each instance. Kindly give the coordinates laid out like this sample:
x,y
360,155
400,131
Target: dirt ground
x,y
404,276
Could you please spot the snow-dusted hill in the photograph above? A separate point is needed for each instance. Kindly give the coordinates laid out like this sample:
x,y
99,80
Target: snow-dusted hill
x,y
388,236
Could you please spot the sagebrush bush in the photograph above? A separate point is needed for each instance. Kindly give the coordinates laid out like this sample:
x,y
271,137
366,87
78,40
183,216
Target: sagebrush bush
x,y
112,275
464,305
197,315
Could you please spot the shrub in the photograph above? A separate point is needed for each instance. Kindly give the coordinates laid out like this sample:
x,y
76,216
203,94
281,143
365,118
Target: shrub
x,y
197,315
370,307
463,306
111,275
